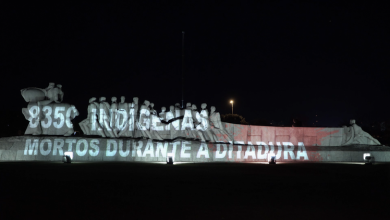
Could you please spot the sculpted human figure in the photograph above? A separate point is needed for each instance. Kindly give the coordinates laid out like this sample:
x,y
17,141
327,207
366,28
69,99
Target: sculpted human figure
x,y
91,118
220,134
205,124
33,94
113,113
162,113
143,124
197,121
187,126
104,118
178,113
122,114
355,135
45,113
54,94
136,109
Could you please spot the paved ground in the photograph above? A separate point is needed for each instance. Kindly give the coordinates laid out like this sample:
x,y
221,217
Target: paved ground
x,y
44,190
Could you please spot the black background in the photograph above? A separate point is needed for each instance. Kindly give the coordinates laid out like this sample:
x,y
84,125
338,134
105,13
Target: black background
x,y
277,60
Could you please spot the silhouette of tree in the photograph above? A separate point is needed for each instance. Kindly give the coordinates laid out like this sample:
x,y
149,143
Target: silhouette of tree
x,y
261,122
234,118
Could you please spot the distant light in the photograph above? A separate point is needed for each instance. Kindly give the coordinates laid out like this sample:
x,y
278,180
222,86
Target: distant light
x,y
366,155
69,153
231,101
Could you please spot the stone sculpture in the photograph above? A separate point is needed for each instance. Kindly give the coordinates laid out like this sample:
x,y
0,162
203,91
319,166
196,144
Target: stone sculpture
x,y
46,113
355,135
219,131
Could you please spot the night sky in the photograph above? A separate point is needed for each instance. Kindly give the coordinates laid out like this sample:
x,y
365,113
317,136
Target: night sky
x,y
277,60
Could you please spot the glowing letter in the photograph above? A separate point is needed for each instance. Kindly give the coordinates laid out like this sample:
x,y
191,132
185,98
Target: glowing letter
x,y
78,150
93,144
47,116
137,149
279,154
58,145
70,142
259,155
110,153
223,154
183,154
162,149
250,151
31,148
302,151
288,150
149,149
59,115
203,150
42,145
121,152
34,115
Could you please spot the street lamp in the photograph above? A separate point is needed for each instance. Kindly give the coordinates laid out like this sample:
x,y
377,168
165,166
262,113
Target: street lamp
x,y
231,101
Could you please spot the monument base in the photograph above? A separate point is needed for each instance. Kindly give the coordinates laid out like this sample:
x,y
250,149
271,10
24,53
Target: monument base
x,y
52,148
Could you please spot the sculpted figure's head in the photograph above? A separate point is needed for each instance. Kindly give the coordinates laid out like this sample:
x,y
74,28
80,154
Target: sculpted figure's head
x,y
102,99
135,99
92,99
123,99
152,104
113,99
203,106
352,121
194,107
147,103
177,105
212,109
51,85
132,105
163,109
59,86
188,105
172,108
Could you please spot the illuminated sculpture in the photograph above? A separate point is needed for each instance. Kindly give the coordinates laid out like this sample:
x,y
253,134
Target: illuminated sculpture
x,y
220,133
205,124
89,126
355,135
46,113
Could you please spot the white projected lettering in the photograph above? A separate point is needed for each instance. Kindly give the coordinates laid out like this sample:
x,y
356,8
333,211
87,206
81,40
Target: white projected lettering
x,y
47,111
260,147
42,150
250,151
124,153
94,144
203,151
218,153
80,152
184,147
302,151
288,150
34,119
112,147
163,148
148,149
57,146
31,148
59,115
56,118
137,149
70,143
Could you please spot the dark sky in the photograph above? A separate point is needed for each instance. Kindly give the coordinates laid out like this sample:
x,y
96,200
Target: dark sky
x,y
276,59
